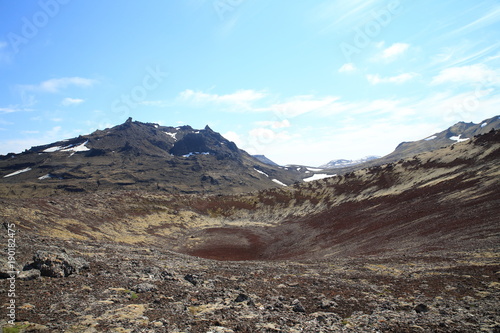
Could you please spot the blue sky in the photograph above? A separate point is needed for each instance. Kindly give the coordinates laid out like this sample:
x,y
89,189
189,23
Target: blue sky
x,y
301,82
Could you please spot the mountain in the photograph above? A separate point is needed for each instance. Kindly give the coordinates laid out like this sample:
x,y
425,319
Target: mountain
x,y
459,132
139,156
347,163
265,160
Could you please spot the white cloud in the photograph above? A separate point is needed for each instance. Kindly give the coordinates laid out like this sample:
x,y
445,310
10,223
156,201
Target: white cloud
x,y
398,79
158,103
238,97
348,67
478,73
393,52
234,137
491,17
239,101
71,101
299,105
14,108
55,85
275,124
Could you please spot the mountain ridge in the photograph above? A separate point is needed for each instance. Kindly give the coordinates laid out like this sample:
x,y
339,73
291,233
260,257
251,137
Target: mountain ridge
x,y
136,155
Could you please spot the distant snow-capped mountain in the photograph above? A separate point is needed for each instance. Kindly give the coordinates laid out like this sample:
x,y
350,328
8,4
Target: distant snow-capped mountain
x,y
346,163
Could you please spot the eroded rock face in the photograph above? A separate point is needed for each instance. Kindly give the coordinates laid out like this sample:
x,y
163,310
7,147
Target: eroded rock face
x,y
58,264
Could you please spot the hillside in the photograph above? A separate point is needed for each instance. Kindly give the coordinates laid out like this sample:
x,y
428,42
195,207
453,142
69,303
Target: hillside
x,y
404,247
139,156
375,210
459,132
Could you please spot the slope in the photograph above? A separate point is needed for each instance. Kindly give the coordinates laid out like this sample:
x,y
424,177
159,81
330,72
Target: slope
x,y
138,156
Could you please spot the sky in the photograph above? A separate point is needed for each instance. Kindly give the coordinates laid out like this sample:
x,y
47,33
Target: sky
x,y
301,82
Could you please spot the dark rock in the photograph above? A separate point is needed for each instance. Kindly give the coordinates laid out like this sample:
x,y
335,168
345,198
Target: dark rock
x,y
57,264
421,308
167,276
297,306
241,298
193,279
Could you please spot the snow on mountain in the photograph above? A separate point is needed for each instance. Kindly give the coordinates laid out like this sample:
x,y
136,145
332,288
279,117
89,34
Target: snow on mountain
x,y
346,163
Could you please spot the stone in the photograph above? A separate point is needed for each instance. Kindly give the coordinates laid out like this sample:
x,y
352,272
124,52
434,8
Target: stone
x,y
144,288
29,275
241,298
297,306
57,264
193,279
421,308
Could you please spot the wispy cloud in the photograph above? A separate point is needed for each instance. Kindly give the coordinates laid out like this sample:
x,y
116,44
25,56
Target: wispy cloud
x,y
68,101
299,105
240,100
463,53
274,124
491,17
56,85
15,108
392,52
331,14
467,75
157,103
398,79
348,67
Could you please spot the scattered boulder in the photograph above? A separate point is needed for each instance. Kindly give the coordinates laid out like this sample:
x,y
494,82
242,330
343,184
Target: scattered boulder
x,y
298,307
58,264
144,288
193,279
241,298
421,308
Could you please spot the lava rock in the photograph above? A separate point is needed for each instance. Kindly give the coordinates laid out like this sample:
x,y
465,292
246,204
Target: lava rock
x,y
241,298
144,288
297,306
421,308
193,279
57,264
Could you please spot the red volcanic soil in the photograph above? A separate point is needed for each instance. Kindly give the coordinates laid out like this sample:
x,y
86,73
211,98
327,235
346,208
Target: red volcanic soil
x,y
230,244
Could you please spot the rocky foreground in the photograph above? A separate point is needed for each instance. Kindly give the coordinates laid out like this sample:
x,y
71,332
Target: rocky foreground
x,y
83,286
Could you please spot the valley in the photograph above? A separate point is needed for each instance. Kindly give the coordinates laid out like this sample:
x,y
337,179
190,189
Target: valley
x,y
408,246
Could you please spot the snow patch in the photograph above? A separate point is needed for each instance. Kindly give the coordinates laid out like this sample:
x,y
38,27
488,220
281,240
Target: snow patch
x,y
261,172
52,149
278,182
17,172
172,135
457,138
314,169
431,138
318,176
196,153
47,176
73,148
483,124
80,147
